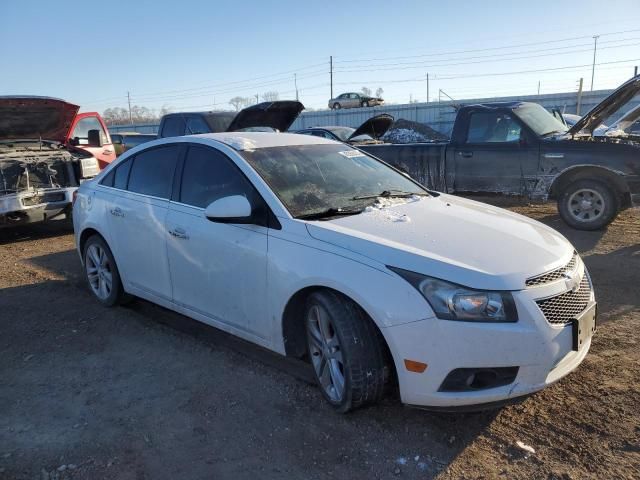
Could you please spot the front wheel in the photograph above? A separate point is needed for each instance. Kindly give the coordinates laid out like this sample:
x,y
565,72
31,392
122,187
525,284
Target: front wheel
x,y
365,104
336,106
588,205
346,350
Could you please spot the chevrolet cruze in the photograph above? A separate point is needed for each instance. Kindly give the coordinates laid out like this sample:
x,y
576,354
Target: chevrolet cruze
x,y
314,249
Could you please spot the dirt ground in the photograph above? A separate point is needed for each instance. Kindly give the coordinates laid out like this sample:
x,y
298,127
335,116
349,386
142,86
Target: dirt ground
x,y
139,392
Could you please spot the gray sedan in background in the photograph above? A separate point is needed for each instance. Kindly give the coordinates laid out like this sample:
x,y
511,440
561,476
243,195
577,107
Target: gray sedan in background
x,y
354,100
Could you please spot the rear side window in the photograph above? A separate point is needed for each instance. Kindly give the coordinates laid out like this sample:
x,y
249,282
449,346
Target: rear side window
x,y
209,175
122,175
107,181
152,171
173,126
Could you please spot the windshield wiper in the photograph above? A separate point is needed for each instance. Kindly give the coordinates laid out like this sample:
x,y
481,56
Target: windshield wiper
x,y
330,212
390,194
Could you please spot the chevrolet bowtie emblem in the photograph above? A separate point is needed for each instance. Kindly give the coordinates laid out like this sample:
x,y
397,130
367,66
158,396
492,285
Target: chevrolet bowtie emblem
x,y
572,281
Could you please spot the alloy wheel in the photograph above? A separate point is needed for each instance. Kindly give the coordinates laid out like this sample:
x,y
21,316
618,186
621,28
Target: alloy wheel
x,y
326,353
99,271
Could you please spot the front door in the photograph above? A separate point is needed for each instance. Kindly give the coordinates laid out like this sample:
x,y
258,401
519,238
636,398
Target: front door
x,y
90,134
499,155
137,209
218,270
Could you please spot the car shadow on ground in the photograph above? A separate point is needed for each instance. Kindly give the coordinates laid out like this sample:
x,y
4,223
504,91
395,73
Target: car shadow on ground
x,y
387,436
36,231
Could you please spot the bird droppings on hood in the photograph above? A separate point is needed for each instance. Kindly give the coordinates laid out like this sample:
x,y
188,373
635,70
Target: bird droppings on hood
x,y
240,143
381,208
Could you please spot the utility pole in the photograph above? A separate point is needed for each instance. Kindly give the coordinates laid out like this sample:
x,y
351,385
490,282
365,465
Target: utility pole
x,y
635,71
331,73
129,102
538,87
427,87
593,67
257,99
295,82
579,101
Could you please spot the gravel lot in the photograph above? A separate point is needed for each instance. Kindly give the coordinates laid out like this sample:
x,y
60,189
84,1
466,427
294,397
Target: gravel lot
x,y
139,392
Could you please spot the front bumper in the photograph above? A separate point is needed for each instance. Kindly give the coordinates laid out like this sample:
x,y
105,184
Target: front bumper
x,y
542,351
36,205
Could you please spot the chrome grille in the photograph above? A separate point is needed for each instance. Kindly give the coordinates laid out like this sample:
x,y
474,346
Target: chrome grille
x,y
565,307
553,275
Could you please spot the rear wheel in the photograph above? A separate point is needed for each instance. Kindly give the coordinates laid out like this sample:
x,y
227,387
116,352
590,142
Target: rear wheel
x,y
102,273
336,106
346,350
588,204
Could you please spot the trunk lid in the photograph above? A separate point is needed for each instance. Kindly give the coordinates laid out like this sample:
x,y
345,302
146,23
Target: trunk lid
x,y
33,117
607,107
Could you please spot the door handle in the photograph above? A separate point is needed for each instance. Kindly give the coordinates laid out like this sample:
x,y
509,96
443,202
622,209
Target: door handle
x,y
107,152
116,212
466,154
179,233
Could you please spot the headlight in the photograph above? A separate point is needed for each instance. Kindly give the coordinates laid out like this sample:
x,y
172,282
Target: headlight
x,y
455,302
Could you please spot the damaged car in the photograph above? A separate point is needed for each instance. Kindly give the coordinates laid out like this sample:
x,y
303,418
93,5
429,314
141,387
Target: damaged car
x,y
369,132
519,148
317,250
39,169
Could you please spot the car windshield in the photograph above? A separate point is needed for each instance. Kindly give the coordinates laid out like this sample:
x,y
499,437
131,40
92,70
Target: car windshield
x,y
343,133
539,119
309,179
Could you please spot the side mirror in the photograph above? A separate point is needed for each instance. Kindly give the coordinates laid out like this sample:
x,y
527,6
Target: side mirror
x,y
232,209
94,138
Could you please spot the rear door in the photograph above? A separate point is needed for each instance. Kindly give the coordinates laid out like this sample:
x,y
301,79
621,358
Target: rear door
x,y
137,209
89,133
500,155
218,270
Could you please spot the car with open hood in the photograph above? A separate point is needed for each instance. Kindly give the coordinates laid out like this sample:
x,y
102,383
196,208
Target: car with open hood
x,y
519,148
39,168
367,133
273,116
316,250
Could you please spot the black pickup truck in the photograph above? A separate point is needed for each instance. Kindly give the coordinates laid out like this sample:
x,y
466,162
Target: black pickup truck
x,y
519,148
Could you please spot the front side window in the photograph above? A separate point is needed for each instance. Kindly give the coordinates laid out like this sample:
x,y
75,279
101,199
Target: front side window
x,y
312,178
196,125
80,135
493,127
152,171
173,126
209,175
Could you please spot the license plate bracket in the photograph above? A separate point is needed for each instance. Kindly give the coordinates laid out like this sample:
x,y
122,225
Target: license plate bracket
x,y
584,326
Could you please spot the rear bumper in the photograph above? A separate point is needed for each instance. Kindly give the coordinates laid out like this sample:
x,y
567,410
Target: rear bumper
x,y
35,206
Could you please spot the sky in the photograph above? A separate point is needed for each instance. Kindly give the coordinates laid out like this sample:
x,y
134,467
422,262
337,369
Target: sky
x,y
197,55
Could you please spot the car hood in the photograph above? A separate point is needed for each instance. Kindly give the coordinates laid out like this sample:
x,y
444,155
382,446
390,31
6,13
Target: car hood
x,y
607,107
454,239
626,120
279,115
375,127
31,117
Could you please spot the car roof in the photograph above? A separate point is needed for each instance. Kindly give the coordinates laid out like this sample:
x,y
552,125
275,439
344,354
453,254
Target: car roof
x,y
254,140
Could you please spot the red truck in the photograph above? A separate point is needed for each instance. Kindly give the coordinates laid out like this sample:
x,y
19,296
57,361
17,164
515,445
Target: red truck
x,y
46,150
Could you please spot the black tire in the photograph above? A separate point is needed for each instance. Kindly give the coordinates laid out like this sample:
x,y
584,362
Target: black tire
x,y
336,106
116,294
365,363
365,103
604,201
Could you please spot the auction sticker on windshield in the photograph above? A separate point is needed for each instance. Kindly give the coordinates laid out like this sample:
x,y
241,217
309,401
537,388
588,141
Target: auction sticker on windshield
x,y
352,153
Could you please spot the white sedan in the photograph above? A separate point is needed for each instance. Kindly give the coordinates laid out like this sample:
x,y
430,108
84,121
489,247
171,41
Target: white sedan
x,y
314,249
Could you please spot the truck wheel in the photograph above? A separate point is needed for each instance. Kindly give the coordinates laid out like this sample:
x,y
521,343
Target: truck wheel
x,y
336,106
347,352
102,273
588,204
